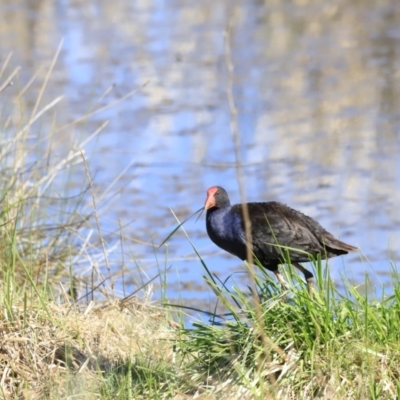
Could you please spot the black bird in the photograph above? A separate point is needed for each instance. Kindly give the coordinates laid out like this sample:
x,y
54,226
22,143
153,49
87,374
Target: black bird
x,y
272,224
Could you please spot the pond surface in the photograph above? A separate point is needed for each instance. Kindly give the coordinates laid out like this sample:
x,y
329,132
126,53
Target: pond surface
x,y
317,88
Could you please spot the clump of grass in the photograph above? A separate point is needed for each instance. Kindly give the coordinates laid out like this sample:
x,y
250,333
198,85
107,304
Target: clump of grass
x,y
325,346
47,206
41,213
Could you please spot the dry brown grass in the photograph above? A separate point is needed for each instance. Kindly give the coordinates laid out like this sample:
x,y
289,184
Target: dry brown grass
x,y
63,351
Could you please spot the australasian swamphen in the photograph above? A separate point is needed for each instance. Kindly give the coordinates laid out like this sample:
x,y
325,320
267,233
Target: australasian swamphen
x,y
273,225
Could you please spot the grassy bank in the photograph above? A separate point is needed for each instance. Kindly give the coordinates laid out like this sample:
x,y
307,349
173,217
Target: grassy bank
x,y
325,347
67,335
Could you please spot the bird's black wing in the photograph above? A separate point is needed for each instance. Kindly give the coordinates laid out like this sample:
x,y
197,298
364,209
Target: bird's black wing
x,y
274,227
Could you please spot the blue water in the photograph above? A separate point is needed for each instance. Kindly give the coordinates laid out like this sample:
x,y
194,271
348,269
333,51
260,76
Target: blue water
x,y
317,91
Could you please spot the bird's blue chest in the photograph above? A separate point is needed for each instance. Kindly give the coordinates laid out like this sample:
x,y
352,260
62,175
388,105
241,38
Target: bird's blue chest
x,y
224,228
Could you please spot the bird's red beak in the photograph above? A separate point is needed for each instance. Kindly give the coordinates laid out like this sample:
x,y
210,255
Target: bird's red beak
x,y
210,200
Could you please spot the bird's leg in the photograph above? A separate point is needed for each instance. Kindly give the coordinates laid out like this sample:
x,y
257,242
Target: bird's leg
x,y
308,275
281,280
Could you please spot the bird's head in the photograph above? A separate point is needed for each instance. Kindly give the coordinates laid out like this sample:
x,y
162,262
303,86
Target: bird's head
x,y
216,197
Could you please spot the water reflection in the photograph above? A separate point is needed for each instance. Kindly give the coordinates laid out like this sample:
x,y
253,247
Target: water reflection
x,y
317,86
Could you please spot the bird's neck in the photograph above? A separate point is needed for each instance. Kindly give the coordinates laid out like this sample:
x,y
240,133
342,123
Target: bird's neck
x,y
216,212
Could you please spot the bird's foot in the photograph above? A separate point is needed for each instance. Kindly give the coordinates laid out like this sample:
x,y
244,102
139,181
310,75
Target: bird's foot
x,y
285,286
310,285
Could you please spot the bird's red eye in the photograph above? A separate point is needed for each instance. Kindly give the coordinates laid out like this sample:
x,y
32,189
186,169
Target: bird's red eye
x,y
217,194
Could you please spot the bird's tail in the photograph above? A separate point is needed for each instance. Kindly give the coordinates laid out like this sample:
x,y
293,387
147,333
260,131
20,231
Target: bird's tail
x,y
340,247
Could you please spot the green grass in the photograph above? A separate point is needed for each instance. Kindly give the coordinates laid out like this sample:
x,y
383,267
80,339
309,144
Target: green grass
x,y
302,347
